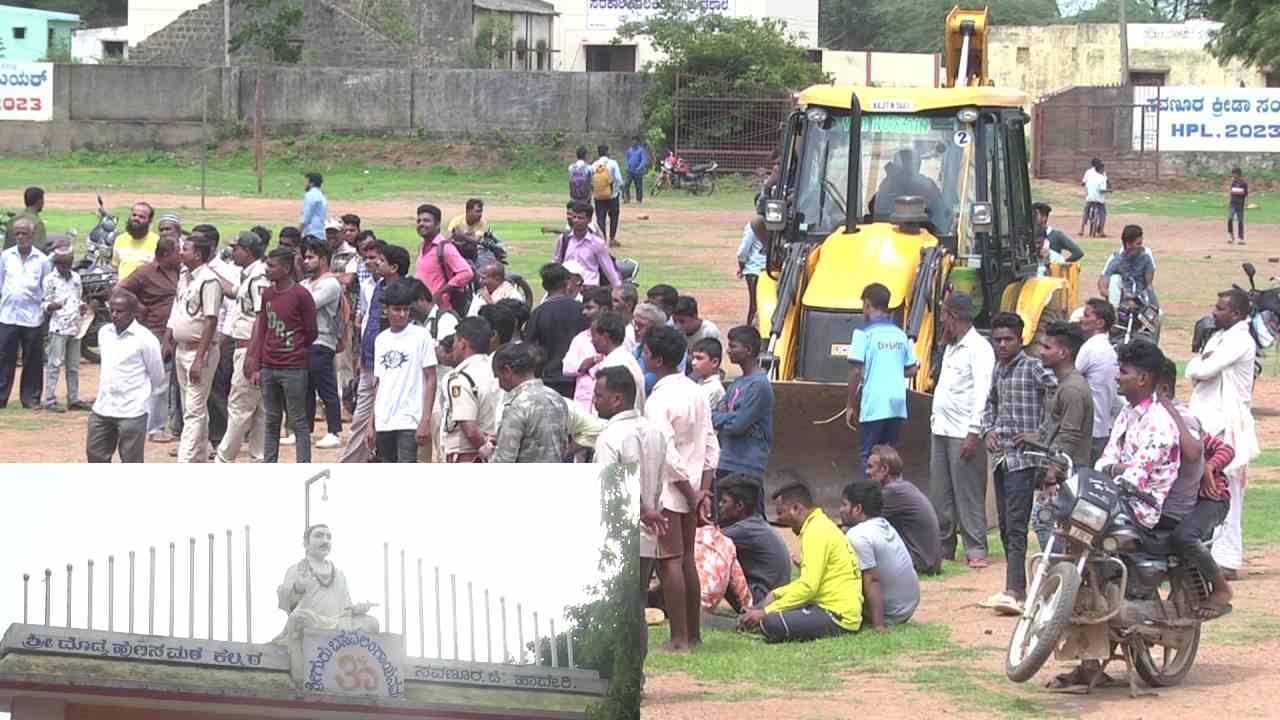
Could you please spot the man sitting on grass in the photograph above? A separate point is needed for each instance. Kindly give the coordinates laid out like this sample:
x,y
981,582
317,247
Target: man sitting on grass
x,y
761,552
826,600
890,586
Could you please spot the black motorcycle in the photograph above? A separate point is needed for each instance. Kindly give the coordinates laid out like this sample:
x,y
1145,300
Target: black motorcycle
x,y
1264,318
1106,587
97,278
1137,317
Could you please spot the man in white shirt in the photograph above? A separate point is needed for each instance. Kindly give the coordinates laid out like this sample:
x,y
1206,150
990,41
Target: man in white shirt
x,y
131,367
608,337
22,271
633,441
678,407
1095,188
958,459
1096,361
1221,394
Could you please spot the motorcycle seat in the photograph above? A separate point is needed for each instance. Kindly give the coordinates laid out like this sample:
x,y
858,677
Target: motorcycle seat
x,y
701,167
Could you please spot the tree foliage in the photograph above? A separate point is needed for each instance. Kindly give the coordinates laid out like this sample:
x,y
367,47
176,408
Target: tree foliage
x,y
267,28
917,26
745,56
493,40
1250,31
93,13
1108,11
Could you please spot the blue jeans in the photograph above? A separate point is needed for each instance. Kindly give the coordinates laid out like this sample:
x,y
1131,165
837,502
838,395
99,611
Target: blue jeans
x,y
878,432
1236,214
285,388
1014,492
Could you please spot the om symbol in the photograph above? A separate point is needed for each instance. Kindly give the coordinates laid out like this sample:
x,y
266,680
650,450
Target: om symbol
x,y
355,673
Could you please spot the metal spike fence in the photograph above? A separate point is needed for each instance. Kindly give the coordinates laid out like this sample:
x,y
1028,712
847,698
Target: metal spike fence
x,y
80,613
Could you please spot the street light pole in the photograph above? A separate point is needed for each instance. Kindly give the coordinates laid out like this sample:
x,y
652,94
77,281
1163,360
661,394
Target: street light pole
x,y
322,475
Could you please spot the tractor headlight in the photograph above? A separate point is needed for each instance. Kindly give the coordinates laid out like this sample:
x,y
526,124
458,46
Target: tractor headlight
x,y
816,115
967,115
1089,515
774,215
980,214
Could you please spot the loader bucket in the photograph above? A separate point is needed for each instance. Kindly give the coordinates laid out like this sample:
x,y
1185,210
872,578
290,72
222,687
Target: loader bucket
x,y
826,456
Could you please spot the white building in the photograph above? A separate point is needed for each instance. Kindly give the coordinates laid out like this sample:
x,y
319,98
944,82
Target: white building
x,y
93,45
585,28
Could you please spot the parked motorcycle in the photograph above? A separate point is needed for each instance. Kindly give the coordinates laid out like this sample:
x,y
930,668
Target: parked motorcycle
x,y
97,278
1106,587
676,174
1264,318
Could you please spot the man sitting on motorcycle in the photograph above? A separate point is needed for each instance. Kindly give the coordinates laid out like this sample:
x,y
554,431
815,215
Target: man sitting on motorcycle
x,y
1198,502
1130,270
1143,452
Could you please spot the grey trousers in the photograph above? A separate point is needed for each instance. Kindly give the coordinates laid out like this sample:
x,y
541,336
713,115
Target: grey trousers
x,y
357,449
958,489
1095,449
64,353
107,435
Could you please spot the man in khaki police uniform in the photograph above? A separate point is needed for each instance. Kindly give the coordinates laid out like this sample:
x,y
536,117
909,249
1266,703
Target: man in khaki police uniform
x,y
192,326
244,405
471,395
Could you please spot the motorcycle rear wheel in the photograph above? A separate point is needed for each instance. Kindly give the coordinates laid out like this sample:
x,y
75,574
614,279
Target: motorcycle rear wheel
x,y
658,186
1175,662
1035,637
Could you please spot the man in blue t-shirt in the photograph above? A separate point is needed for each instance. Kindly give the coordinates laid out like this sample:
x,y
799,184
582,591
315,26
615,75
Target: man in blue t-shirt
x,y
880,359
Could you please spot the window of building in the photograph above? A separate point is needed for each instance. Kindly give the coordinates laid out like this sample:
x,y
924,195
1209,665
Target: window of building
x,y
113,48
1148,78
814,56
19,33
611,58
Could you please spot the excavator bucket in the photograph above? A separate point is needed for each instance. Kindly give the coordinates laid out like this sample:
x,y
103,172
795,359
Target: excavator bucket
x,y
826,455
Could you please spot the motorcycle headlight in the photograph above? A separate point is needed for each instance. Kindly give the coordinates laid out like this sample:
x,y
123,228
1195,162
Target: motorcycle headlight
x,y
1089,515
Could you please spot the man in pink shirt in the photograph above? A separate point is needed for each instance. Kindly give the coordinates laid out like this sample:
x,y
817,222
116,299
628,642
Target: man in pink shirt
x,y
581,360
446,280
678,407
588,248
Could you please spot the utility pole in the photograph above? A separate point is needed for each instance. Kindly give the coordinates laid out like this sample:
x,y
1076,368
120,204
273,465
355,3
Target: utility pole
x,y
1124,44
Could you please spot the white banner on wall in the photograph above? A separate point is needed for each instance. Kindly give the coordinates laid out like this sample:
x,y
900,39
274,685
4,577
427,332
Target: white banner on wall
x,y
26,91
609,14
1203,119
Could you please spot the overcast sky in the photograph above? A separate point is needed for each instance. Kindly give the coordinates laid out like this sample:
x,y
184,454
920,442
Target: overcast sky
x,y
531,533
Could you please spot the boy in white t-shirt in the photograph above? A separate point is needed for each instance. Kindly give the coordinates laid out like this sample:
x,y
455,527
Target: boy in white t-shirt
x,y
404,385
704,368
1095,189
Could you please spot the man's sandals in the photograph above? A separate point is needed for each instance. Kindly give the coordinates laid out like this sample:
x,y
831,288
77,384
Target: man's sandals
x,y
1210,610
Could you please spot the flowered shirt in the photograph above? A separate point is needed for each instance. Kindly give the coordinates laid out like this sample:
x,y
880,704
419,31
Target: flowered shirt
x,y
1144,441
66,291
718,570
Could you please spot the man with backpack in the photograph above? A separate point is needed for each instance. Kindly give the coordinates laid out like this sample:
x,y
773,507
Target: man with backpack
x,y
588,248
580,178
441,267
606,190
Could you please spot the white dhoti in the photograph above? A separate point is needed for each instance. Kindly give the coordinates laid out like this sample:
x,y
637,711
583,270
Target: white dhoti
x,y
1228,542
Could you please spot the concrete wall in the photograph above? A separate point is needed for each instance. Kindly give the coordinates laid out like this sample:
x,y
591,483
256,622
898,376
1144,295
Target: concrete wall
x,y
883,69
165,104
1046,59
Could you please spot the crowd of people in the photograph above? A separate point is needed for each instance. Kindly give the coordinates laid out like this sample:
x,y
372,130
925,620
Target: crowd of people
x,y
438,355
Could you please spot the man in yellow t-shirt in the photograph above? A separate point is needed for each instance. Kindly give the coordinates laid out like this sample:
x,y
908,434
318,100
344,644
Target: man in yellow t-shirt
x,y
471,223
826,599
136,246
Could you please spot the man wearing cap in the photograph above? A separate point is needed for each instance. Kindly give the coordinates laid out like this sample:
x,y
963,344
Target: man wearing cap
x,y
244,406
229,276
315,207
62,301
170,227
135,247
958,460
587,249
193,325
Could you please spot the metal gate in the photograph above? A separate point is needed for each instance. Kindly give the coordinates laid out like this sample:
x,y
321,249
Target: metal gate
x,y
737,127
1115,124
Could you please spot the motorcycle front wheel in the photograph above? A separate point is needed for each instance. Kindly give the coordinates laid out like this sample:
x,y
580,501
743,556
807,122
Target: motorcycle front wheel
x,y
1167,666
89,350
659,185
1040,627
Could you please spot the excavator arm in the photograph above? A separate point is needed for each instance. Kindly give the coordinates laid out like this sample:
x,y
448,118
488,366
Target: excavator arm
x,y
965,47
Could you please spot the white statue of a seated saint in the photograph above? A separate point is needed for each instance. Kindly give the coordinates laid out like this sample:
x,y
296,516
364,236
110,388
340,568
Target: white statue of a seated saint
x,y
315,594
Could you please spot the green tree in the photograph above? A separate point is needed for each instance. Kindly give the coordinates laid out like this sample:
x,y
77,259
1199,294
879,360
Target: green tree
x,y
847,24
266,30
741,55
918,26
492,44
1250,31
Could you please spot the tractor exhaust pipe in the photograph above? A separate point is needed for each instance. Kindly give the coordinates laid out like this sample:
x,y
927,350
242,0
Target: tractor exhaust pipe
x,y
853,203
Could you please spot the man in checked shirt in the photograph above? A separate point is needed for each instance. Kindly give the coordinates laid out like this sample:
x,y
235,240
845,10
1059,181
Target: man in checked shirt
x,y
1015,406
